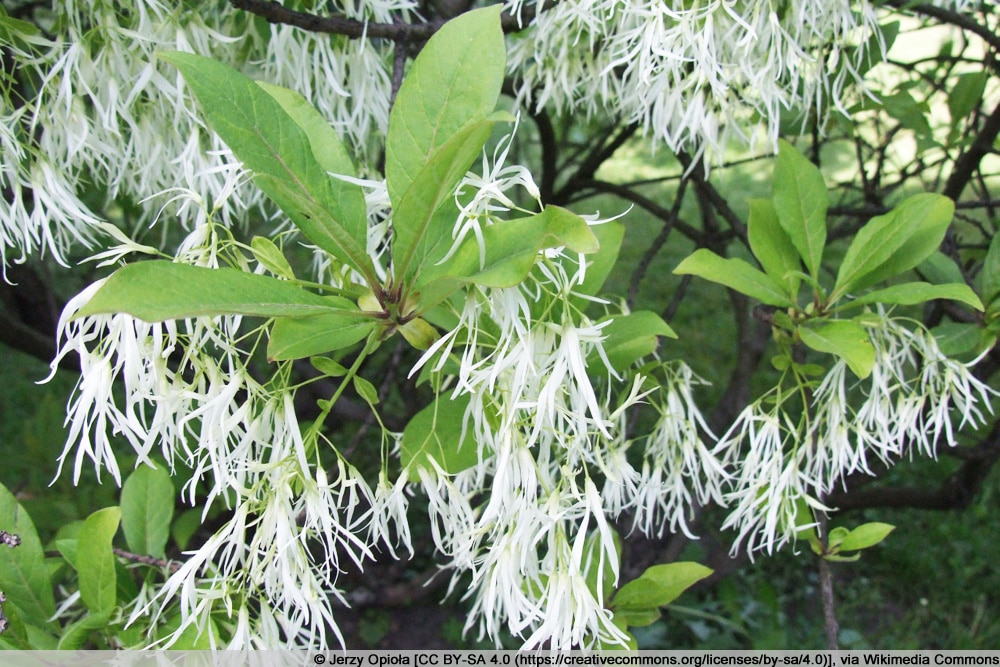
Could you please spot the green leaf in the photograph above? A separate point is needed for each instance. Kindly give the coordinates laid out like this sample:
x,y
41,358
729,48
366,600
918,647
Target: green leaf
x,y
95,562
328,366
630,337
437,432
895,242
907,294
989,275
318,223
455,81
273,145
911,114
772,246
621,622
332,157
24,579
511,249
956,339
940,269
658,586
600,263
637,618
424,218
865,535
75,635
843,338
966,95
327,148
163,290
271,257
366,390
800,202
186,526
147,505
299,337
735,274
12,29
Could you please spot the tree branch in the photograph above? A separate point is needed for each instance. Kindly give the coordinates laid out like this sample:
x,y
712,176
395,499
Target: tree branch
x,y
968,162
952,18
274,12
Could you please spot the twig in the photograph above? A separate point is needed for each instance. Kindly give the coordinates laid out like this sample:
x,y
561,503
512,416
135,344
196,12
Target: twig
x,y
146,560
654,248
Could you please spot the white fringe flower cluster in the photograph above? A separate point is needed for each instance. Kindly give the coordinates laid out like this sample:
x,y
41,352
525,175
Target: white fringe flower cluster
x,y
550,418
108,111
784,456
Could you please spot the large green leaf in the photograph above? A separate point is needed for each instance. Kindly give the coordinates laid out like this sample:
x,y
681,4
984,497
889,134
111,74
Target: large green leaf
x,y
273,145
800,202
296,338
772,246
843,338
76,634
883,236
95,562
509,250
437,432
424,218
455,81
659,585
319,224
147,505
162,290
630,337
907,294
327,148
735,274
24,578
895,242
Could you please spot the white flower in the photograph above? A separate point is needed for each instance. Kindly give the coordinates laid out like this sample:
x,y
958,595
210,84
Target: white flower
x,y
691,75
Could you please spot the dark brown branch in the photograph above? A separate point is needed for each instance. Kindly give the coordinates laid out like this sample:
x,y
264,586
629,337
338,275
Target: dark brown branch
x,y
718,202
646,203
752,339
550,151
654,248
593,161
274,12
968,162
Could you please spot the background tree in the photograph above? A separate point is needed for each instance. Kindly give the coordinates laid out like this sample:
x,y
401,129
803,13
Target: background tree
x,y
527,395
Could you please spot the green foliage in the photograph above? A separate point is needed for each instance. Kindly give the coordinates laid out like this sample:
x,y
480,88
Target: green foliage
x,y
790,230
452,86
95,563
637,603
800,202
735,274
162,290
24,577
148,510
633,336
438,433
269,141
